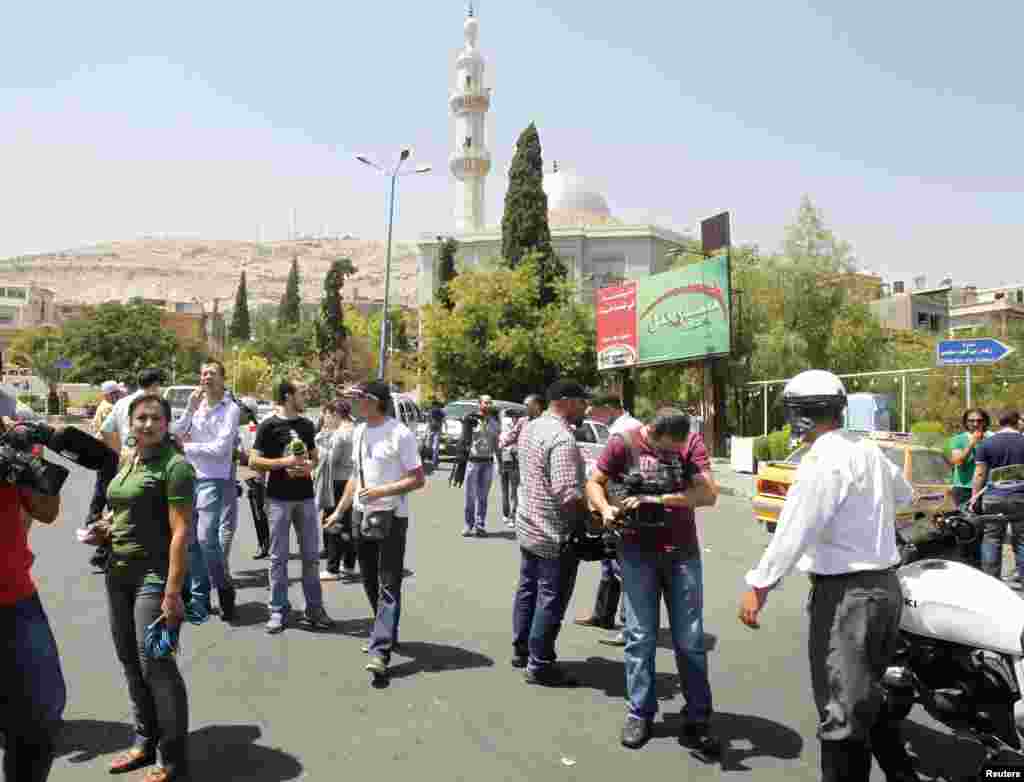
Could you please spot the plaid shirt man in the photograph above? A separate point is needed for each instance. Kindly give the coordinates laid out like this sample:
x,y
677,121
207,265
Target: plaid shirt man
x,y
551,476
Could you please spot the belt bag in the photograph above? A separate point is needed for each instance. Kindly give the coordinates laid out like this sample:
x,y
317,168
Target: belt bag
x,y
373,524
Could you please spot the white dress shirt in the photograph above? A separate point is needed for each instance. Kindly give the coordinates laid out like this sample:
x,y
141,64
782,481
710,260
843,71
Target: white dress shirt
x,y
840,512
212,435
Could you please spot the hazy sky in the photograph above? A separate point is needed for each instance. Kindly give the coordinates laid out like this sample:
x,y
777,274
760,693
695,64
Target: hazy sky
x,y
902,120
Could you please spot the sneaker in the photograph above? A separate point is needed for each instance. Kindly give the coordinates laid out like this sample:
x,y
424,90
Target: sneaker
x,y
276,624
506,521
377,666
467,532
317,618
619,639
349,573
327,575
510,524
697,736
481,532
552,676
635,732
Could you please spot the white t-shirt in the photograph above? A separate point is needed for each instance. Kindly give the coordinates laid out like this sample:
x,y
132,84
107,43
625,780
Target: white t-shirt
x,y
624,423
387,453
118,420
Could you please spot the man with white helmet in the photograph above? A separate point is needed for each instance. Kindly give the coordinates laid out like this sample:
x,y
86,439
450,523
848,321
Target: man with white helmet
x,y
838,525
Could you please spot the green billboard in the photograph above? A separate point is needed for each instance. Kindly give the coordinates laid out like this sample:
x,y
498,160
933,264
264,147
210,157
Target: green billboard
x,y
675,316
683,314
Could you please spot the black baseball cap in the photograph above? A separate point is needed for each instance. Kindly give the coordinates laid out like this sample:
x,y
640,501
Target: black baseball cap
x,y
379,392
567,389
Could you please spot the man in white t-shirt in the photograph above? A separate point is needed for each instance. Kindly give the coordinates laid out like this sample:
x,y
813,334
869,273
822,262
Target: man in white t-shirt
x,y
386,467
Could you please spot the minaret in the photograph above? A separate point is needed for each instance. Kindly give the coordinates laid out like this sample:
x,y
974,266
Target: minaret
x,y
471,161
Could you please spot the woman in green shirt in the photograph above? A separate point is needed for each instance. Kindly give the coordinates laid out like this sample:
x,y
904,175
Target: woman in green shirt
x,y
151,500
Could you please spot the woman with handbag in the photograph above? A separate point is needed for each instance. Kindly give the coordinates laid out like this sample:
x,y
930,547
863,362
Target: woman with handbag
x,y
151,499
334,446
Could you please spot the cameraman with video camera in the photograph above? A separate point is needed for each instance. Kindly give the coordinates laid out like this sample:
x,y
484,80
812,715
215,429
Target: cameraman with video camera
x,y
659,474
32,690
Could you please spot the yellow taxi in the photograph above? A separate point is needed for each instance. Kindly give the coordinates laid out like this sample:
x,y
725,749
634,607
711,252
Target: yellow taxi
x,y
926,468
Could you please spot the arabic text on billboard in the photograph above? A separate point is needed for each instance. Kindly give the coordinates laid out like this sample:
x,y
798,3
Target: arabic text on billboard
x,y
616,326
684,314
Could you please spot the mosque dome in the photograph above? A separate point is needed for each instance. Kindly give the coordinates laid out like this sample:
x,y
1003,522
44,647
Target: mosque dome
x,y
567,191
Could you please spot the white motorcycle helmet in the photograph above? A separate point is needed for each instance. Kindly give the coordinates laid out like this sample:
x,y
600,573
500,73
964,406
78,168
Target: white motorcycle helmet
x,y
810,397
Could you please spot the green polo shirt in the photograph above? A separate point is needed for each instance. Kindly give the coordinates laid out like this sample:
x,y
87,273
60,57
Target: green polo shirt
x,y
140,496
963,473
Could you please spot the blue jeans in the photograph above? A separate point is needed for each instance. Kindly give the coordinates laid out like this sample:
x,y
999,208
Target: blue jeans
x,y
32,690
206,557
646,576
382,563
301,514
994,533
228,525
479,476
435,447
545,589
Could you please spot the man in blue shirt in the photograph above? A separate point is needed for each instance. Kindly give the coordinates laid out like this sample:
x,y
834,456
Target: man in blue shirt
x,y
999,471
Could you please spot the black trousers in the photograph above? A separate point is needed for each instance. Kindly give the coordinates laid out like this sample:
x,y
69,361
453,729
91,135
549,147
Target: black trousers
x,y
258,506
382,563
341,549
854,634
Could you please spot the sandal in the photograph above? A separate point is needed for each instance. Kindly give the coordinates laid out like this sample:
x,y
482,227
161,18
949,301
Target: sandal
x,y
161,774
131,760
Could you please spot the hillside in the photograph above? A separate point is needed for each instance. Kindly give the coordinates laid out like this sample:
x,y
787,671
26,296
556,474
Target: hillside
x,y
189,269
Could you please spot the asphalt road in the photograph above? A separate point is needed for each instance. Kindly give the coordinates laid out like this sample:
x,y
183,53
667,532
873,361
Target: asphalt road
x,y
301,706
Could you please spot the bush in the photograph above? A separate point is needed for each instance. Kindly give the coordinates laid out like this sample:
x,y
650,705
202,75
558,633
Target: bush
x,y
761,450
931,434
778,444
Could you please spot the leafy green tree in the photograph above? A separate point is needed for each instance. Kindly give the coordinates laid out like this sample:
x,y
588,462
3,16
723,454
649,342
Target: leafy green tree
x,y
499,339
39,350
808,238
331,334
118,341
446,270
290,312
279,343
241,328
524,224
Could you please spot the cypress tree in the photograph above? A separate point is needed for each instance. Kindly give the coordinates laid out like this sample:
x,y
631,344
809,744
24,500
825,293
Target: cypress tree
x,y
241,328
331,333
290,310
524,225
446,271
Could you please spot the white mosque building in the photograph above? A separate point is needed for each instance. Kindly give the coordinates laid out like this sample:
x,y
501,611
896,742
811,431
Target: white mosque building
x,y
595,247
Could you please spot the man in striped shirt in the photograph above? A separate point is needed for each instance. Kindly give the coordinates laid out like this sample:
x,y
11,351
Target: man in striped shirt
x,y
551,506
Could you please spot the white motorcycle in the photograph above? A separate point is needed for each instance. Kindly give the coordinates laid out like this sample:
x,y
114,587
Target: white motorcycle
x,y
962,650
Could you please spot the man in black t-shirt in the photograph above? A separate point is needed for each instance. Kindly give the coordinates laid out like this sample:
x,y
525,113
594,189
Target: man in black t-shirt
x,y
285,447
999,470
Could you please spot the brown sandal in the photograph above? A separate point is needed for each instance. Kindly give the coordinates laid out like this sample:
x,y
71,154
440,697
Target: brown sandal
x,y
158,774
131,760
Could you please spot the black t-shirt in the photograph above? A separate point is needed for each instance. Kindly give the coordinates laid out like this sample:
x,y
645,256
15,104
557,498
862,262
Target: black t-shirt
x,y
1002,449
272,438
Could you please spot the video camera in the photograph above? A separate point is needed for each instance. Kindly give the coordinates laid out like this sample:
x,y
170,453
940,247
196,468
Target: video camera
x,y
22,462
647,514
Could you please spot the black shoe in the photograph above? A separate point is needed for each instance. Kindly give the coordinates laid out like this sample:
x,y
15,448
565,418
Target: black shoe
x,y
261,554
552,676
518,661
226,597
635,732
697,736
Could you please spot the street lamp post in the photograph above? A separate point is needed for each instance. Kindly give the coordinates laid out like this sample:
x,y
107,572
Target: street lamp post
x,y
394,174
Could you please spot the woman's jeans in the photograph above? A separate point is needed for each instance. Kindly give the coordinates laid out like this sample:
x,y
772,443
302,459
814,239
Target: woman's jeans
x,y
157,691
382,563
646,576
340,548
32,691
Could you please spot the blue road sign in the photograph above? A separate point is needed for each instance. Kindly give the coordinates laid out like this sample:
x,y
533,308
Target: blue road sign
x,y
62,363
971,352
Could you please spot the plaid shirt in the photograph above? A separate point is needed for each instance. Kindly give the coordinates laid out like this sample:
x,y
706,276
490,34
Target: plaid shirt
x,y
551,475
